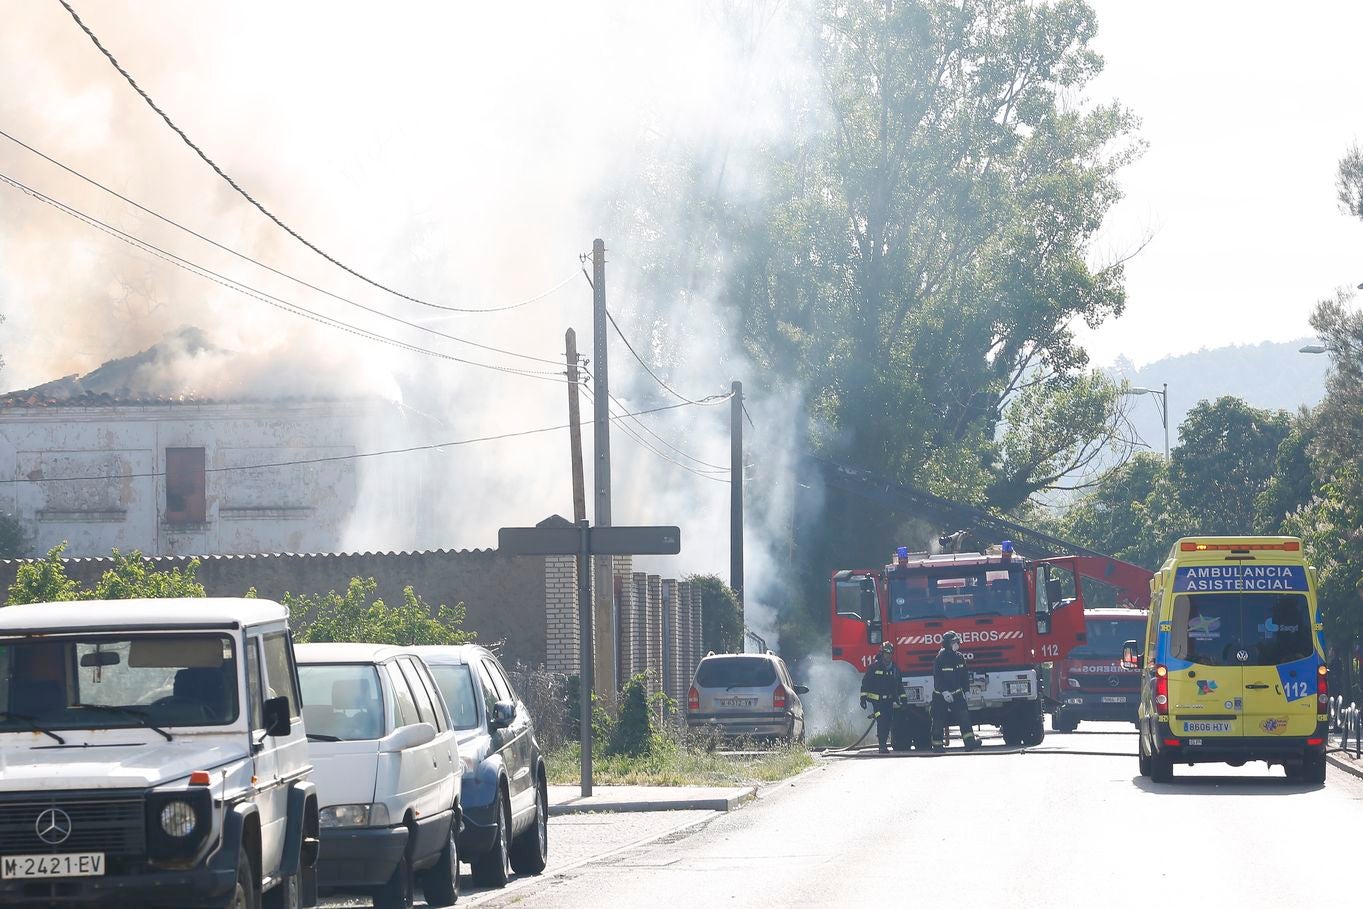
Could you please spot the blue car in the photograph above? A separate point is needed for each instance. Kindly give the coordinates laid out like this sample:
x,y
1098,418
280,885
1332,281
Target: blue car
x,y
505,794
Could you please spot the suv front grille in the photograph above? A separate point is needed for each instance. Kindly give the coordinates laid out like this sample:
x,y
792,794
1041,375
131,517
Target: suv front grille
x,y
114,826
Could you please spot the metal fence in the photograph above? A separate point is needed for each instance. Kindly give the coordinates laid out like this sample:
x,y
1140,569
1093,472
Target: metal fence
x,y
1346,722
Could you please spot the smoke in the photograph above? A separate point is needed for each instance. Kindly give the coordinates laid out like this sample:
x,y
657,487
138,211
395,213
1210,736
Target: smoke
x,y
465,154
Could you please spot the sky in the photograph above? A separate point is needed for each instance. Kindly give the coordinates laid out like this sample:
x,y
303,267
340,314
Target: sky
x,y
1246,109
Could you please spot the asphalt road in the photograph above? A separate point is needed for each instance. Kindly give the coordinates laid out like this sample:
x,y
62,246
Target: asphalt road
x,y
1056,829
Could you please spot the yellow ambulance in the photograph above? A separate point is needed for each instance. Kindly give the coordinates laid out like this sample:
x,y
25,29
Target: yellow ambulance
x,y
1233,661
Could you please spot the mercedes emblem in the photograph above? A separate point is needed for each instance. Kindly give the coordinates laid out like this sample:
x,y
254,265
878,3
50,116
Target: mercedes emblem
x,y
53,826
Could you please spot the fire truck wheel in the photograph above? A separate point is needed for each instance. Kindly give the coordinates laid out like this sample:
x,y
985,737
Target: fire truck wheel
x,y
1062,723
1034,727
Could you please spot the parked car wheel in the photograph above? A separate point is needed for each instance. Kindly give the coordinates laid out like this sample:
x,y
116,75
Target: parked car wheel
x,y
441,882
493,868
530,850
397,893
286,895
244,894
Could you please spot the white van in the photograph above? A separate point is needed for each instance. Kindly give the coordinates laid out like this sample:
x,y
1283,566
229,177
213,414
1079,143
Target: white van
x,y
387,770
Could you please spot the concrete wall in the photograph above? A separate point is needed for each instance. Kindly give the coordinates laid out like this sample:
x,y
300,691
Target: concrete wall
x,y
505,596
299,508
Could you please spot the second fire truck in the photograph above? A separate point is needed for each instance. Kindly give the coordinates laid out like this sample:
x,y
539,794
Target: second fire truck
x,y
1014,616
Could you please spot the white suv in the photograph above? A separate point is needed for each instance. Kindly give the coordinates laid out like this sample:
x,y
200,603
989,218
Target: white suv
x,y
387,772
152,754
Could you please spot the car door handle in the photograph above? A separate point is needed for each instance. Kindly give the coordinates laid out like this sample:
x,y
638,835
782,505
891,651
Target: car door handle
x,y
1256,686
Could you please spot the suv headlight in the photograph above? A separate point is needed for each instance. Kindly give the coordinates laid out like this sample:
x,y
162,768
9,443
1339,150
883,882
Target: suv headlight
x,y
178,819
375,815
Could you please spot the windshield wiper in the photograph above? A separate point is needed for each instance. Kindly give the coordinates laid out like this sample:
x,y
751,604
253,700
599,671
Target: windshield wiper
x,y
320,737
33,724
132,712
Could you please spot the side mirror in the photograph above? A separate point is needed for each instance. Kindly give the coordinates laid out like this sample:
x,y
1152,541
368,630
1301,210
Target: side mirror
x,y
277,720
802,689
503,713
1043,624
1131,656
404,737
874,635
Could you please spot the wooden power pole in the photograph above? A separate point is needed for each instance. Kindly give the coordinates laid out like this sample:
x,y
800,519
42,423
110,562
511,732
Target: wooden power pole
x,y
575,432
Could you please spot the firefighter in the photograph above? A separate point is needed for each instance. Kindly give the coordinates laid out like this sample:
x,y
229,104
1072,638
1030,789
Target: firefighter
x,y
950,678
883,686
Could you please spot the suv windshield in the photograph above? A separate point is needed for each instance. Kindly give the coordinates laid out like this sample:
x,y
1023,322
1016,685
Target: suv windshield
x,y
1105,637
118,681
956,593
736,672
1241,629
457,686
341,701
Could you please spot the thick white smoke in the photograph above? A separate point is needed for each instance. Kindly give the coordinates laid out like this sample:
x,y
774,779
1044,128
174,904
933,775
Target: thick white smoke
x,y
464,154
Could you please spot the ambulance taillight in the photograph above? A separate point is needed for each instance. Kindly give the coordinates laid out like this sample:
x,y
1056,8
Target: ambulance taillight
x,y
1161,691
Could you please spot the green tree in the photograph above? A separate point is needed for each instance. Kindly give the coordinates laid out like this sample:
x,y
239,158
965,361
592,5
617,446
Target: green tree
x,y
132,577
44,581
721,616
1225,460
1127,513
1331,523
356,616
1349,182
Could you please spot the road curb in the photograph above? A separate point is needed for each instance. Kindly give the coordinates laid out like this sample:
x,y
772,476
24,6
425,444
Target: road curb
x,y
722,803
1344,764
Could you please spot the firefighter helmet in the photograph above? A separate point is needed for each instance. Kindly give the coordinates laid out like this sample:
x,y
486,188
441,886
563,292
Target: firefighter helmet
x,y
886,647
950,638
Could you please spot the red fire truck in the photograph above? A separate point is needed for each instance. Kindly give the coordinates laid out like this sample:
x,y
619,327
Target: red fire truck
x,y
1090,684
1013,615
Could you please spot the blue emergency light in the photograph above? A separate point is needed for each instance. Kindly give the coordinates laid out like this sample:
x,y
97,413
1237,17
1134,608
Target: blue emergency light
x,y
1007,546
902,552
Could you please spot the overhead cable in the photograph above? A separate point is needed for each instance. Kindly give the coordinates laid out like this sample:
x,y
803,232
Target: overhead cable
x,y
326,459
369,309
267,298
623,427
242,192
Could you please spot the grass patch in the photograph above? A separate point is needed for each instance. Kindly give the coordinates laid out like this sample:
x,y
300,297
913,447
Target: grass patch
x,y
841,735
674,764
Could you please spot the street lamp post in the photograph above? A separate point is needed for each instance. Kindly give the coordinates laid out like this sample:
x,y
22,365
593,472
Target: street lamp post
x,y
1164,411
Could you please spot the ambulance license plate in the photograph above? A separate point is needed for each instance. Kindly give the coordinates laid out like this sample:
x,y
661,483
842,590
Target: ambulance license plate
x,y
1108,699
72,864
1206,727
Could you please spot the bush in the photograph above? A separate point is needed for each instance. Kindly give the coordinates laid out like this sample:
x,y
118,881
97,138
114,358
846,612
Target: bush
x,y
721,615
46,581
356,616
634,734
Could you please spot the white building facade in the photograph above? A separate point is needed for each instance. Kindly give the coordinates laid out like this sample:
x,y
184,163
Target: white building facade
x,y
181,478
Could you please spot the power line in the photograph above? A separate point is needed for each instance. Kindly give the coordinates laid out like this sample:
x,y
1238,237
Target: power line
x,y
643,444
262,296
244,257
644,426
233,183
369,309
651,373
434,446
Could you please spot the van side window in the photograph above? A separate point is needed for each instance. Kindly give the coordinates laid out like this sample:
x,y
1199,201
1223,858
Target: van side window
x,y
255,690
1178,637
406,706
279,670
437,702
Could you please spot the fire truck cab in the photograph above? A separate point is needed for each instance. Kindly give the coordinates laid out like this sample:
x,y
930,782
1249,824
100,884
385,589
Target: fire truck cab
x,y
1012,614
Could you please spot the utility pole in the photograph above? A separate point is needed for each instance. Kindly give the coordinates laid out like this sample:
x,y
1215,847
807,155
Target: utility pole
x,y
601,477
736,492
604,599
575,432
1164,398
